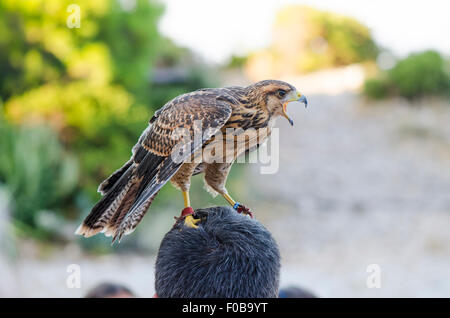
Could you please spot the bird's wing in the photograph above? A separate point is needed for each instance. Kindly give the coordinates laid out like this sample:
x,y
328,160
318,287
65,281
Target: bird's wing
x,y
155,153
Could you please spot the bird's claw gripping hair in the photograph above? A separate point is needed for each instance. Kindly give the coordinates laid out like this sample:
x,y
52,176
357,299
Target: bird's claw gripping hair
x,y
187,216
242,209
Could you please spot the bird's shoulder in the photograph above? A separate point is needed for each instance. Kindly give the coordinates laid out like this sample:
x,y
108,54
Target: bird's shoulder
x,y
212,106
194,104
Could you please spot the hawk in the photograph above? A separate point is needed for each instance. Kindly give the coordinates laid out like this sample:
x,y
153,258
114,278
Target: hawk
x,y
194,133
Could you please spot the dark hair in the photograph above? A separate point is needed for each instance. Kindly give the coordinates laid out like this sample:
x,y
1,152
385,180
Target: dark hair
x,y
295,292
229,255
105,290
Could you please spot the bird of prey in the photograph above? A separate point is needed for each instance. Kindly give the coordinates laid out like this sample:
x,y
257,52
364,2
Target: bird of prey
x,y
224,114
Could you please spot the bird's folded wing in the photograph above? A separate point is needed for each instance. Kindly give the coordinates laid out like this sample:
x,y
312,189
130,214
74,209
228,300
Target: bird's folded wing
x,y
176,131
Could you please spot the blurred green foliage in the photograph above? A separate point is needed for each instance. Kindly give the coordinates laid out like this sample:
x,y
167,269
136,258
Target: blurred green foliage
x,y
376,88
112,45
420,74
306,39
39,173
337,40
97,123
85,82
417,75
73,101
237,61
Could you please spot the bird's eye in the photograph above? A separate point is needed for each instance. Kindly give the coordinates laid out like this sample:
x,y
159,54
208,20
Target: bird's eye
x,y
281,93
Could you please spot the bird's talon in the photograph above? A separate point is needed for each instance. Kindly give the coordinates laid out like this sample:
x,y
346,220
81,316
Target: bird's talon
x,y
240,208
189,221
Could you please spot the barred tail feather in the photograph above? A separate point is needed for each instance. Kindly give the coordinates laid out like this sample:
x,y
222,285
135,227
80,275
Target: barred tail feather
x,y
147,193
123,190
129,193
109,183
102,213
124,207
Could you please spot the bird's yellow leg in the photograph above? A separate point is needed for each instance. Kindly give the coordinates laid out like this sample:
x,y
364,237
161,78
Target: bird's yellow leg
x,y
229,199
189,220
187,201
236,205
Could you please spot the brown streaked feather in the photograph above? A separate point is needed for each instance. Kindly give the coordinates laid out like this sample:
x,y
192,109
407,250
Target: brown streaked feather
x,y
107,185
130,190
213,120
106,207
123,208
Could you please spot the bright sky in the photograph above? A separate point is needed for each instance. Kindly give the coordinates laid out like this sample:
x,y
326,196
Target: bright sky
x,y
218,28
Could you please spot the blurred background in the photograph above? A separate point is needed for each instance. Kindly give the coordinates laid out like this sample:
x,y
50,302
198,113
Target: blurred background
x,y
364,174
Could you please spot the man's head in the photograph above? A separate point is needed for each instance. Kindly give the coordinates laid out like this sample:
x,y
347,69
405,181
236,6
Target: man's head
x,y
295,292
110,290
228,256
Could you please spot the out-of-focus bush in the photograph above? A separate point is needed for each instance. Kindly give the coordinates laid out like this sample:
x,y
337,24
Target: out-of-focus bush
x,y
115,43
376,88
237,61
88,82
99,124
306,39
418,75
37,171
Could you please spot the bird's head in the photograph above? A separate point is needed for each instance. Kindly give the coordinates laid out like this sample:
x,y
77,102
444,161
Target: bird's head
x,y
275,96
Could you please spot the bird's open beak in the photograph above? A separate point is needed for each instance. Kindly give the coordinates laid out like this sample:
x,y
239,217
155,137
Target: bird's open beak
x,y
294,97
